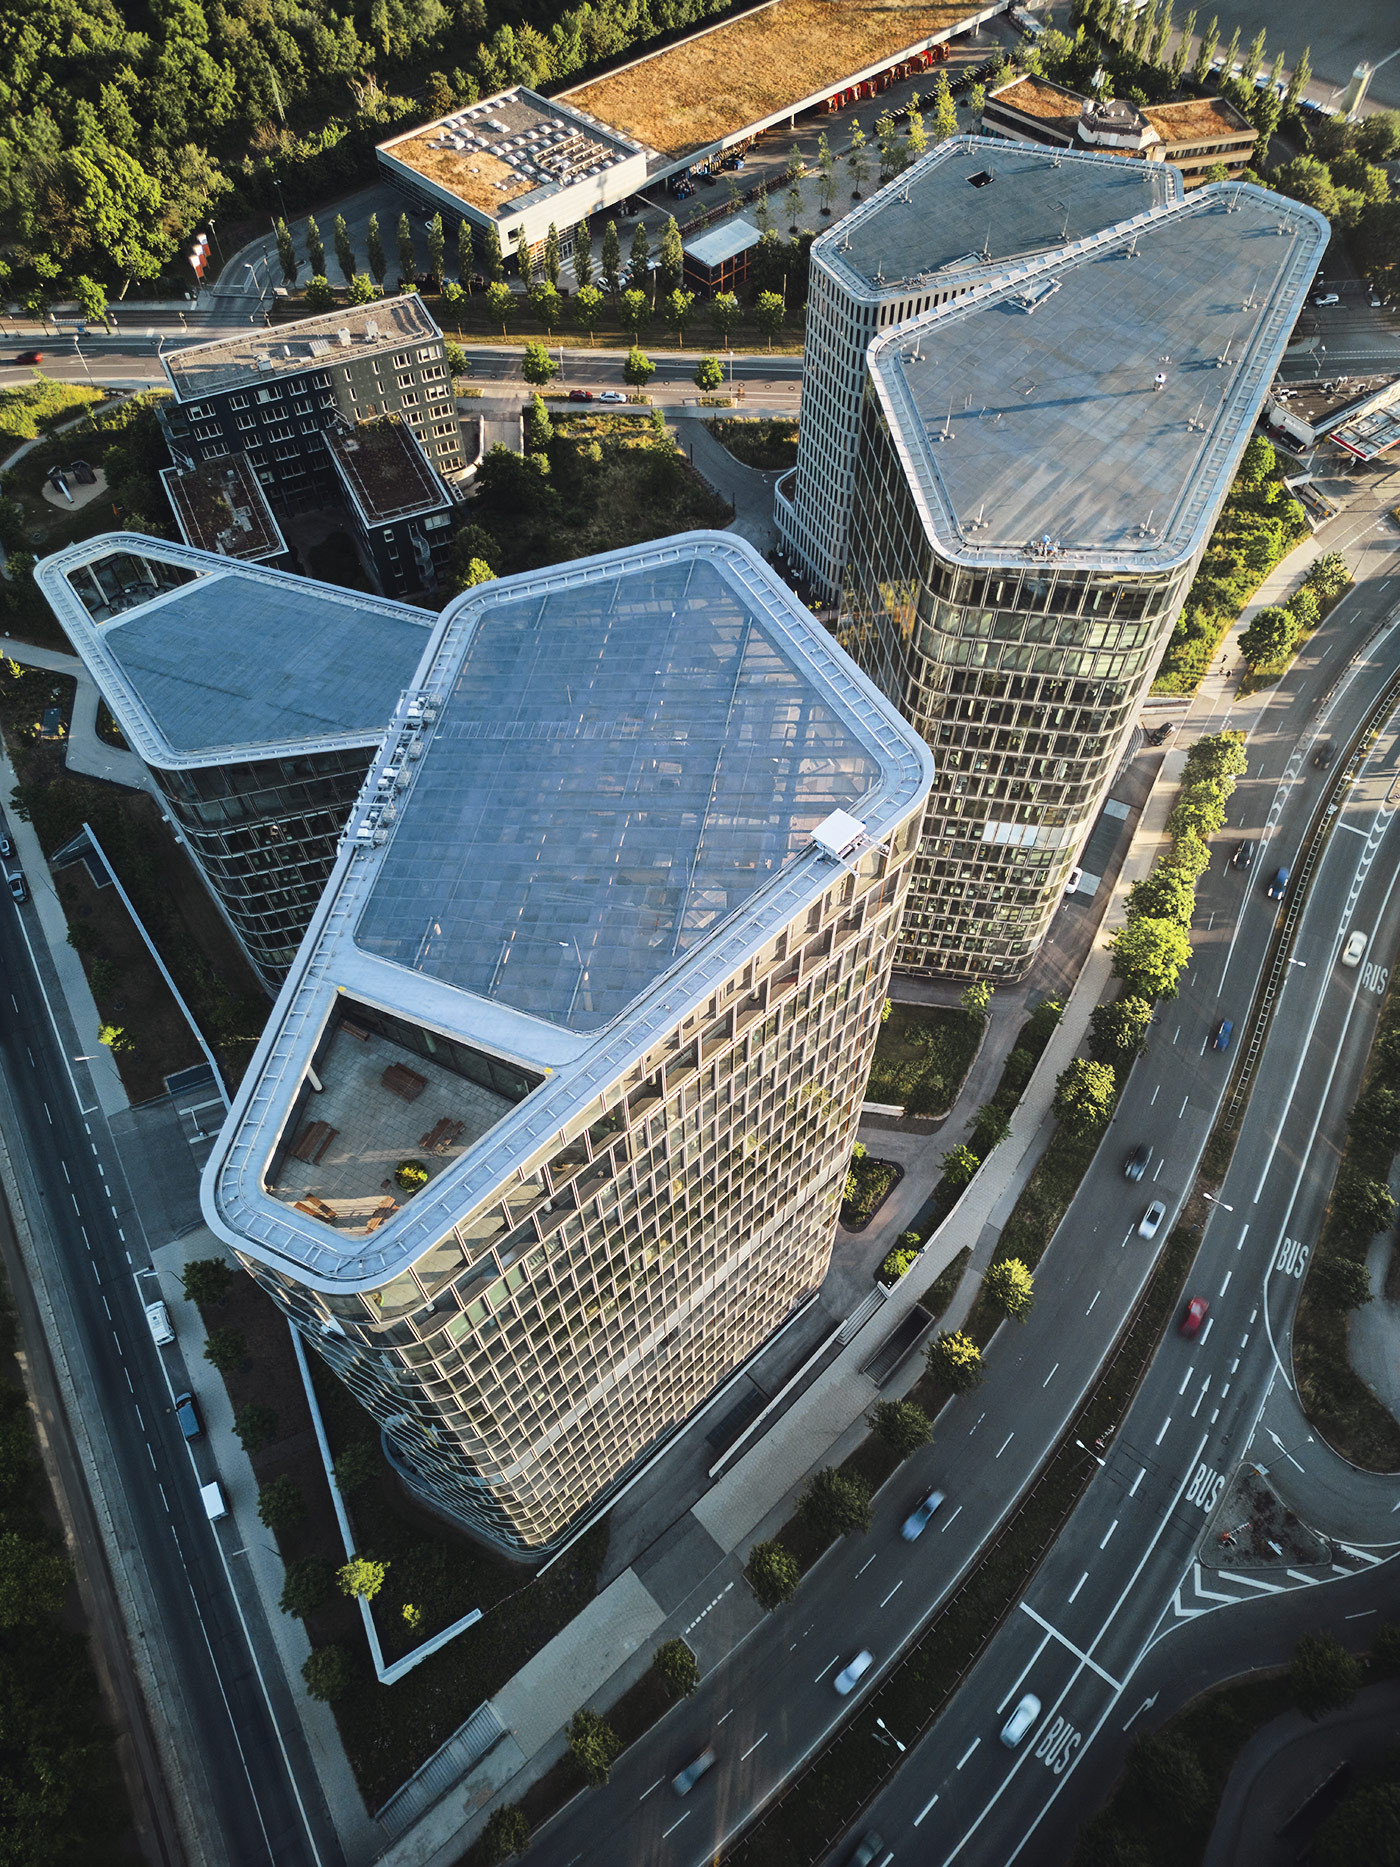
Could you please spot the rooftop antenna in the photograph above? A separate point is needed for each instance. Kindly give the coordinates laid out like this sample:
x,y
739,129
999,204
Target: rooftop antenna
x,y
979,523
947,433
1196,425
1224,356
1132,251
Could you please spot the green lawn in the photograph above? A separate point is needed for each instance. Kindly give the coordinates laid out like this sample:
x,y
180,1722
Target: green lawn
x,y
921,1057
33,408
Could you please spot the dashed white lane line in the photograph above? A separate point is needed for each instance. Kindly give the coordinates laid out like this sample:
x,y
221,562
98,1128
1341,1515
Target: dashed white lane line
x,y
1108,1533
826,1669
753,1747
893,1592
1163,1433
1090,1310
656,1785
1186,1380
1132,1489
675,1825
948,1520
1182,1110
1205,1333
1050,1377
924,1810
1078,1585
968,1752
1226,1285
863,1567
1200,1397
1005,1443
67,1176
728,1714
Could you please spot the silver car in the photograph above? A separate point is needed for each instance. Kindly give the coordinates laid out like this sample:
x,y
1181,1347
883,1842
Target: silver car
x,y
1020,1721
849,1676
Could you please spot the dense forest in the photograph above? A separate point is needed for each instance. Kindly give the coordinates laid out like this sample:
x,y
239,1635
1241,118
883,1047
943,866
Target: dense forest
x,y
124,126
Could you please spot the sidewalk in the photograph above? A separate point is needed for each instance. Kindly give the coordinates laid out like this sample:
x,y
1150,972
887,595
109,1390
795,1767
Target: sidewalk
x,y
85,753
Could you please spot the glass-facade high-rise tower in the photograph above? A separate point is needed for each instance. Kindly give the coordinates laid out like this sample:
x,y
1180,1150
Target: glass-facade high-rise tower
x,y
548,1130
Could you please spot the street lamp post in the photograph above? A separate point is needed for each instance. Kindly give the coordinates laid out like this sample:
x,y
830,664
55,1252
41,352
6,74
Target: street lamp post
x,y
901,1748
78,352
1217,1202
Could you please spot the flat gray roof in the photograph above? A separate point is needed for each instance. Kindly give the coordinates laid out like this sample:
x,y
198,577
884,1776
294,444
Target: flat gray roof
x,y
239,663
941,219
1093,408
256,356
594,807
726,241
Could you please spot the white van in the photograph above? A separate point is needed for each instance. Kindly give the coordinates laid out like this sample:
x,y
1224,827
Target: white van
x,y
158,1318
213,1500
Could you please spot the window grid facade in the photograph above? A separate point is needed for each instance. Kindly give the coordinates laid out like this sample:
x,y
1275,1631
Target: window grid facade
x,y
539,1351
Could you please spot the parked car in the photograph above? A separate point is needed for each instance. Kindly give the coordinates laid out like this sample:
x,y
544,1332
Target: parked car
x,y
1135,1166
917,1521
187,1413
1195,1316
7,848
1221,1035
612,395
1374,299
1152,1218
580,395
30,356
691,1774
212,1499
1072,881
1354,948
158,1321
1278,887
850,1676
18,887
1243,856
1327,298
1324,755
1020,1721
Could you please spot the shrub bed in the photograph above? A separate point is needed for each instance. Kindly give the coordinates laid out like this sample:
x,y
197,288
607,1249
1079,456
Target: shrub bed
x,y
869,1184
922,1056
768,442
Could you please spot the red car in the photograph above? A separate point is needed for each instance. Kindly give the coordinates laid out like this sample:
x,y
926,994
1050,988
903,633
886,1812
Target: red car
x,y
580,395
1195,1316
30,356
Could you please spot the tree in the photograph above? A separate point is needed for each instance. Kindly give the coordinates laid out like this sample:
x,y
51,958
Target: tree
x,y
501,300
492,260
1375,1121
547,305
33,1581
945,114
465,257
582,257
363,290
1177,68
634,311
1365,1826
1149,956
507,1832
408,259
959,1164
1362,1206
610,262
1218,757
1340,1283
226,1349
91,298
1253,59
977,103
320,293
315,247
990,1127
1302,73
1257,463
207,1280
458,362
638,369
588,309
856,159
897,1262
344,252
1084,1096
1205,55
437,248
709,374
768,313
836,1503
357,1466
286,255
773,1575
1165,1772
902,1426
1009,1285
762,213
1164,894
280,1503
552,259
1307,180
1328,575
675,1664
328,1673
916,135
525,264
1119,1030
361,1578
671,259
593,1745
976,999
676,308
1324,1676
255,1425
639,262
374,248
1377,138
539,429
724,313
1270,637
476,571
957,1360
307,1586
887,141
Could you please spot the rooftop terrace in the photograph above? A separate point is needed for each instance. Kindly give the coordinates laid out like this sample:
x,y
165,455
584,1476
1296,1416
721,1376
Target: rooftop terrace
x,y
1093,409
979,202
595,805
510,150
237,662
386,471
220,507
256,355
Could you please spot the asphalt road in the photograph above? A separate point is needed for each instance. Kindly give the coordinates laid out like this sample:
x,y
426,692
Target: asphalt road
x,y
236,1763
771,1703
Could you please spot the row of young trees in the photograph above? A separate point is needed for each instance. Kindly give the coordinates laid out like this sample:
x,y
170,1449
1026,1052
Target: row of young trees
x,y
1276,629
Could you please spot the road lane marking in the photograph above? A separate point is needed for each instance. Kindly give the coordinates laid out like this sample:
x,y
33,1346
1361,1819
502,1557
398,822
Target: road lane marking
x,y
656,1785
864,1566
947,1520
1243,1235
1020,1677
1006,1442
1205,1333
1226,1285
826,1669
1182,1110
1146,1705
1266,1588
968,1752
1078,1585
1078,1652
894,1591
1186,1380
924,1810
1132,1489
1361,1555
675,1825
1162,1435
728,1714
1205,1389
1298,1576
1090,1310
1108,1533
1050,1377
753,1747
1155,1093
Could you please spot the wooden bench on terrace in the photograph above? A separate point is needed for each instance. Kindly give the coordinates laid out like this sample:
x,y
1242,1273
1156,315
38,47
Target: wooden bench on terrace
x,y
442,1135
313,1142
317,1208
399,1080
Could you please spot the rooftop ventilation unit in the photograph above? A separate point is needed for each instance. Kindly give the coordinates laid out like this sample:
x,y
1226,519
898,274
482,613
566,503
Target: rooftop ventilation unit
x,y
342,337
264,363
371,330
839,835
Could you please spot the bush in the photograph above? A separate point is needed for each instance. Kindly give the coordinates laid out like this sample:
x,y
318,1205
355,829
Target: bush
x,y
836,1503
593,1745
327,1674
674,1662
410,1175
1119,1031
1364,1827
1328,575
206,1280
957,1360
255,1425
281,1504
773,1574
506,1832
1084,1096
1010,1287
1166,1773
1324,1676
361,1578
320,294
357,1466
226,1349
1341,1283
901,1425
905,1253
307,1586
